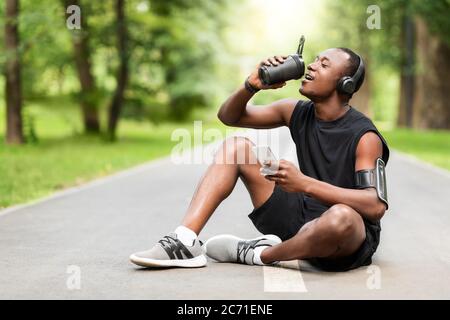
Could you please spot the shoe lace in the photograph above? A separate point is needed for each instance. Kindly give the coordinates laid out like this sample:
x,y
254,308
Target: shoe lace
x,y
244,247
175,248
167,240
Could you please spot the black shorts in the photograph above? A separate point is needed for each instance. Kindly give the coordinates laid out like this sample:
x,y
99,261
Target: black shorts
x,y
284,213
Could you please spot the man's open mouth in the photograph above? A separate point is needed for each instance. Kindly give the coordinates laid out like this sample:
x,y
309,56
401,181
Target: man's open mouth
x,y
309,77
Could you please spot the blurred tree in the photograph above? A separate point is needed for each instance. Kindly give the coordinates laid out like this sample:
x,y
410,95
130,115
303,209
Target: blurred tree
x,y
407,77
14,133
187,36
432,84
425,79
82,55
362,99
45,48
122,73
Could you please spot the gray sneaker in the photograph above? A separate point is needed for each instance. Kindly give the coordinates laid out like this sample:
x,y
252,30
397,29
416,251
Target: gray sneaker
x,y
171,252
228,248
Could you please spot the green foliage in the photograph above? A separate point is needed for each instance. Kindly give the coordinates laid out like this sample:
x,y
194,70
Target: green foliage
x,y
175,53
436,13
382,48
384,45
2,41
45,47
180,53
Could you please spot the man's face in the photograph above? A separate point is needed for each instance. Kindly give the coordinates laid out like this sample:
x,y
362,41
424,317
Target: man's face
x,y
324,73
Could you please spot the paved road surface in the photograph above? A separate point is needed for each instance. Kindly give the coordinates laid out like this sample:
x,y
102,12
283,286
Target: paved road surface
x,y
96,227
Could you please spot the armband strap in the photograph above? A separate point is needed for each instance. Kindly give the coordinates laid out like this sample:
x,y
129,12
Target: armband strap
x,y
373,178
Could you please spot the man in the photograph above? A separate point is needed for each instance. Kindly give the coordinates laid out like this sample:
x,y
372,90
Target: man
x,y
327,212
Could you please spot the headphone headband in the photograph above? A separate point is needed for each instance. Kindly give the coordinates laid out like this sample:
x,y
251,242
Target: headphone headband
x,y
347,84
359,71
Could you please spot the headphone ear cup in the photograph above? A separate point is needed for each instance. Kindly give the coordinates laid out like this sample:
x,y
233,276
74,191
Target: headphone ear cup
x,y
346,85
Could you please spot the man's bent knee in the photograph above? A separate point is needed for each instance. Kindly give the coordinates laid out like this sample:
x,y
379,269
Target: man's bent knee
x,y
236,150
347,226
343,220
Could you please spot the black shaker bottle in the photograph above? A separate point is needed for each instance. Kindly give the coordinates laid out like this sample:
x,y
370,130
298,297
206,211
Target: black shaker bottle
x,y
292,68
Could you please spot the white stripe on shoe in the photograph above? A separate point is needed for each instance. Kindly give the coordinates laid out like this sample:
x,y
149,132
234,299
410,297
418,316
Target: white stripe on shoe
x,y
196,262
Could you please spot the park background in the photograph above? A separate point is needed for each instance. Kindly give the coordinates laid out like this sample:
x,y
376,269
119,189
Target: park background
x,y
81,104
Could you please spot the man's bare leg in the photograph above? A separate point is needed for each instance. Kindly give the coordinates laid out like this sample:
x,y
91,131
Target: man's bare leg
x,y
338,232
182,248
233,160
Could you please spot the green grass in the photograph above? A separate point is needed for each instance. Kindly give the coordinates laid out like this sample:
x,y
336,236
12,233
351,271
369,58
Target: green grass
x,y
64,157
432,146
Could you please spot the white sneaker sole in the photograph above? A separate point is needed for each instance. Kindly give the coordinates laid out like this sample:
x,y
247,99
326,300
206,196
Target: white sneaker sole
x,y
197,262
228,236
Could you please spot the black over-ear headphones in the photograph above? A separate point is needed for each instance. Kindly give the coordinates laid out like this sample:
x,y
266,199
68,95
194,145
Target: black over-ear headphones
x,y
347,84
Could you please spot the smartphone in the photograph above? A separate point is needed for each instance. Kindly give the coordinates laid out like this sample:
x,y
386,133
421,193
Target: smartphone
x,y
265,154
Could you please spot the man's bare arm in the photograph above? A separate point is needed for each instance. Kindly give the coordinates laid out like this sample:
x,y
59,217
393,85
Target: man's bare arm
x,y
273,115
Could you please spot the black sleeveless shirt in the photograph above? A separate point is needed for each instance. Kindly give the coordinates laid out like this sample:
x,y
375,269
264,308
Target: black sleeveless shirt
x,y
326,150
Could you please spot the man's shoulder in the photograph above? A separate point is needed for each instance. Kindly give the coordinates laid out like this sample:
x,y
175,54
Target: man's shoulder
x,y
359,115
299,108
359,121
367,133
305,103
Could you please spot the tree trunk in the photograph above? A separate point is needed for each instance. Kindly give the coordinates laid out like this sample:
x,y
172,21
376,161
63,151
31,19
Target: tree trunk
x,y
87,81
432,83
14,132
407,46
361,99
122,74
